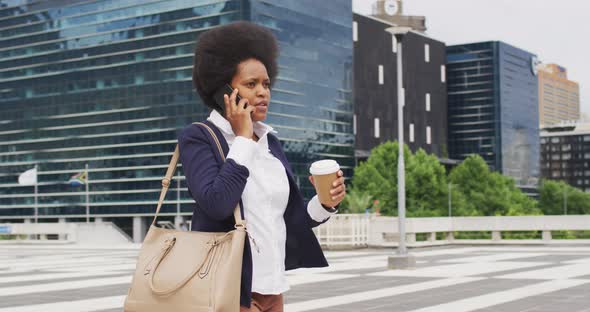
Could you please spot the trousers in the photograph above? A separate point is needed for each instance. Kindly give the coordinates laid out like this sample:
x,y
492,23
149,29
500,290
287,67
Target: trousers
x,y
265,303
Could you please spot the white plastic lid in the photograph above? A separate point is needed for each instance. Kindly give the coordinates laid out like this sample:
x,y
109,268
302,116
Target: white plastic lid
x,y
325,166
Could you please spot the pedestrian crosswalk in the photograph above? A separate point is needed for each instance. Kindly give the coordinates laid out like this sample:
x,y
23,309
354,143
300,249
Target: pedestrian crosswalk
x,y
483,278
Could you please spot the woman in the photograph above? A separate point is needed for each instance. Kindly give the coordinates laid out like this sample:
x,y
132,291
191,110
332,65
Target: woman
x,y
256,172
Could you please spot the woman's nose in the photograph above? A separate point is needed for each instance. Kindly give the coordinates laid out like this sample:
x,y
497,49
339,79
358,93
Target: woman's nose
x,y
261,91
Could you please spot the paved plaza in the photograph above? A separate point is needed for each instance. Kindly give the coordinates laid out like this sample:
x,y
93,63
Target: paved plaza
x,y
479,278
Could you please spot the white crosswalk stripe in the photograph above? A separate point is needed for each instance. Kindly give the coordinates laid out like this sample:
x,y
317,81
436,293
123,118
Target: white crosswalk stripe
x,y
28,271
39,288
460,269
313,305
488,300
554,273
55,276
88,305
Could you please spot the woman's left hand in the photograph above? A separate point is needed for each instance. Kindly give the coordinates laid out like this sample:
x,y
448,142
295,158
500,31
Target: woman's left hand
x,y
338,190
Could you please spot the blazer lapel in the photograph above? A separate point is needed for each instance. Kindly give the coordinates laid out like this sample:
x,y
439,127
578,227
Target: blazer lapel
x,y
274,146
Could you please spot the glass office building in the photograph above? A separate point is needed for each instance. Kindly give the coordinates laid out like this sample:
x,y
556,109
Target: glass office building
x,y
493,107
107,84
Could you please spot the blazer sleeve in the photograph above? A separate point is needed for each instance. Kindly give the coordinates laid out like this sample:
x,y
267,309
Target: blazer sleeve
x,y
217,190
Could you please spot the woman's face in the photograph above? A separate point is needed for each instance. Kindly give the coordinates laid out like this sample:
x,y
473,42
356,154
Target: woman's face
x,y
253,84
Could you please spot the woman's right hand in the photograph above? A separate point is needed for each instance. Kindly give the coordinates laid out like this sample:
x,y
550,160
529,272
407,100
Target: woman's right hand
x,y
239,117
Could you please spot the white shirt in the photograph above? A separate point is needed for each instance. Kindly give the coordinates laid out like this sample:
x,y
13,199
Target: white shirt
x,y
265,199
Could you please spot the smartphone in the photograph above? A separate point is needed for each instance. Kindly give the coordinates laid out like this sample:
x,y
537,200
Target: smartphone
x,y
218,96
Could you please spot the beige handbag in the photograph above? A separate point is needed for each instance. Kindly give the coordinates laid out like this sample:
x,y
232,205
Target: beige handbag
x,y
181,271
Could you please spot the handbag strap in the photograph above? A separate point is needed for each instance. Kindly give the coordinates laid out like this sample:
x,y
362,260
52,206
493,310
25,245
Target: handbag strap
x,y
170,172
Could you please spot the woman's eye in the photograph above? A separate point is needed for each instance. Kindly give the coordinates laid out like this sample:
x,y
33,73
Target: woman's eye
x,y
251,84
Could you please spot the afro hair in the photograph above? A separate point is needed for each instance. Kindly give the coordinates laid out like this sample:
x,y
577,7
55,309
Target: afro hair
x,y
219,51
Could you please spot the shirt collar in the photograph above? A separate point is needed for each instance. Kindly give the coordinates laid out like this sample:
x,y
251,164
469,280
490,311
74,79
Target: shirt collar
x,y
223,124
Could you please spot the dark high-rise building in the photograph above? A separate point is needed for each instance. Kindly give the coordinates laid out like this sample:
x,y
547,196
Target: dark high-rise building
x,y
565,154
108,84
375,88
493,107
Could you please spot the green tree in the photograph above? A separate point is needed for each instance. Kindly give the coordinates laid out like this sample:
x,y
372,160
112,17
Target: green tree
x,y
475,189
356,201
458,206
520,203
553,196
426,186
489,193
378,175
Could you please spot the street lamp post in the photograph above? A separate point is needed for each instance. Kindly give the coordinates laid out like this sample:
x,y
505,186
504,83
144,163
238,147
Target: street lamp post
x,y
402,259
450,203
565,200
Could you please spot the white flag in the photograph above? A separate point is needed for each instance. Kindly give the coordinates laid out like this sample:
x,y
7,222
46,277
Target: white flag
x,y
28,177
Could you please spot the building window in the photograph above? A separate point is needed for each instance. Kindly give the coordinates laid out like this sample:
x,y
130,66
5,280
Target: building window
x,y
380,74
355,34
354,124
426,53
554,140
377,127
427,102
443,74
555,174
428,137
566,156
411,132
587,138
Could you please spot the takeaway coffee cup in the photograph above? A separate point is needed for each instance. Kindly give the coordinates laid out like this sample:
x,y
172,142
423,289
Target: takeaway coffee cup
x,y
324,173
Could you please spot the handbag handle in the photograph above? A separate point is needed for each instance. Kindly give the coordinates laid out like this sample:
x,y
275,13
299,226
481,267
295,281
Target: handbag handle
x,y
169,243
170,172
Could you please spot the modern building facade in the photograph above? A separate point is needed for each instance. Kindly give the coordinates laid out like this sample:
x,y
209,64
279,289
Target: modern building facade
x,y
108,84
375,89
565,154
493,107
559,97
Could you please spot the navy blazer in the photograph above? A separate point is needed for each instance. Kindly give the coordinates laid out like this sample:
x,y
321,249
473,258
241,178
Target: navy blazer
x,y
217,186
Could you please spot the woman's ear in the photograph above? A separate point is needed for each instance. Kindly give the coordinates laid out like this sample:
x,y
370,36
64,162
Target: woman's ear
x,y
311,180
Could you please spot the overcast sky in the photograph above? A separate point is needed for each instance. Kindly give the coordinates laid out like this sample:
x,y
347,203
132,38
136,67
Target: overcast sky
x,y
556,31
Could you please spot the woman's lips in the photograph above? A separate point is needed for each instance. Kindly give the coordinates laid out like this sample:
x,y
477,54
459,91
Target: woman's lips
x,y
262,107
